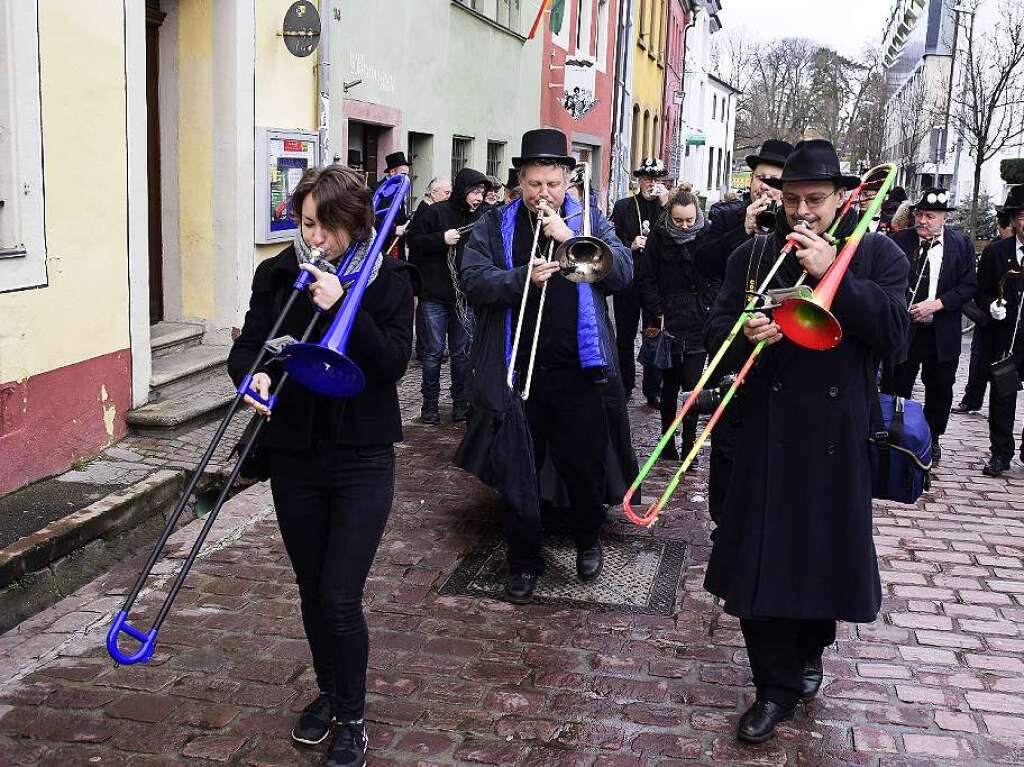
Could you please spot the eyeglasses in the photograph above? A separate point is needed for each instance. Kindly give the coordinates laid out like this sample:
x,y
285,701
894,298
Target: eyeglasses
x,y
792,201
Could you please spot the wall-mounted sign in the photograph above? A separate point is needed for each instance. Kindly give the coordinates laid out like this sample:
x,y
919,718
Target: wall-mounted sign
x,y
580,78
696,139
281,158
301,28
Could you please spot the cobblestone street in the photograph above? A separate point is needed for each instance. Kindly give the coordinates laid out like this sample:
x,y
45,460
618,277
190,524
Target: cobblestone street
x,y
937,679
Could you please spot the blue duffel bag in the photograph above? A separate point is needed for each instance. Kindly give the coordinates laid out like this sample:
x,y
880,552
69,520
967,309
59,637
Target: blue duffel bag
x,y
900,450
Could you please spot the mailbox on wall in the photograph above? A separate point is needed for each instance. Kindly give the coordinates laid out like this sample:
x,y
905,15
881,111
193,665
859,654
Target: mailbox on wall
x,y
282,156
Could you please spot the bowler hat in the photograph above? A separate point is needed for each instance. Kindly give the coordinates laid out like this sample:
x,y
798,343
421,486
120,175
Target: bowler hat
x,y
652,167
1014,200
772,152
547,144
395,160
933,198
813,160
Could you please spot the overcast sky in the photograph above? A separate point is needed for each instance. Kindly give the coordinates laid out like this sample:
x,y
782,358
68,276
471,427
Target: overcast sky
x,y
843,26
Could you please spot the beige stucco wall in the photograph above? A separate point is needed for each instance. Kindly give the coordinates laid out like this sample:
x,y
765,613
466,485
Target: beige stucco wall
x,y
83,311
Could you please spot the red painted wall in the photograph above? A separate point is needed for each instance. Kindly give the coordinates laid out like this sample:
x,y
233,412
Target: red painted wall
x,y
675,64
597,122
51,419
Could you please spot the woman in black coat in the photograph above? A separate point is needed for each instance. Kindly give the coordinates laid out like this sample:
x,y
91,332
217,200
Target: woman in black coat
x,y
673,290
332,461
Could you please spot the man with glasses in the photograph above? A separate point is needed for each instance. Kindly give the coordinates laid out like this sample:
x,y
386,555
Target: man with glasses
x,y
732,224
794,551
942,280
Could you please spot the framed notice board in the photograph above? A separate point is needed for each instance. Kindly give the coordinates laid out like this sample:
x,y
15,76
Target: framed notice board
x,y
282,156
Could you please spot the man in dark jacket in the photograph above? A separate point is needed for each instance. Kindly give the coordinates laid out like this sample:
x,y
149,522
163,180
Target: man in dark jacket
x,y
574,409
634,217
794,551
396,164
942,280
730,225
999,293
436,244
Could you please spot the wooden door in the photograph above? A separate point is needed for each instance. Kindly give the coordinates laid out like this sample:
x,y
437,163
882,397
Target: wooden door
x,y
154,17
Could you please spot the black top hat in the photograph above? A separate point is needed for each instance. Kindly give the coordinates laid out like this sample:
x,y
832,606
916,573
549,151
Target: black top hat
x,y
1014,200
513,179
544,144
933,198
814,160
652,167
355,157
395,159
772,152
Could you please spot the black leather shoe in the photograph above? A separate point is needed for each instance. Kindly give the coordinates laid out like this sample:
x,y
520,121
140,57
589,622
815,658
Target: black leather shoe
x,y
759,721
430,414
996,466
519,588
811,683
314,722
963,408
936,452
589,562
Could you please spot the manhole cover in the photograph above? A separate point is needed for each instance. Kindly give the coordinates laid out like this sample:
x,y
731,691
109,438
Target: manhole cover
x,y
640,574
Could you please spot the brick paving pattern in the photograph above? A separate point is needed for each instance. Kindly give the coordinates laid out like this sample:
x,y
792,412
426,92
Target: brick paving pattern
x,y
937,679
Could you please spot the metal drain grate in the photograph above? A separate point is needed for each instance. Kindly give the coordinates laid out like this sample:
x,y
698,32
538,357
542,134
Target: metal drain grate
x,y
640,575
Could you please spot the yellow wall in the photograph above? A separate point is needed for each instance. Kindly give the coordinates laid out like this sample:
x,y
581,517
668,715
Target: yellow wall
x,y
648,74
195,156
286,91
83,312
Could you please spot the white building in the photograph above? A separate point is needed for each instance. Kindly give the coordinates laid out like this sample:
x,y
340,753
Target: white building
x,y
703,152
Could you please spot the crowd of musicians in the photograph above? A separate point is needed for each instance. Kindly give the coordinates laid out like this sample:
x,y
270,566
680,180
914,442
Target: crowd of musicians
x,y
545,408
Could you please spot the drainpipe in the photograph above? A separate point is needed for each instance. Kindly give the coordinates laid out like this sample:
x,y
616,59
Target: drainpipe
x,y
323,81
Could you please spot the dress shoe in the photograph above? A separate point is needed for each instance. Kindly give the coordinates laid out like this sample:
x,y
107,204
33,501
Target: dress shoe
x,y
519,588
589,561
759,721
670,453
963,408
996,466
654,403
936,452
460,412
430,414
811,682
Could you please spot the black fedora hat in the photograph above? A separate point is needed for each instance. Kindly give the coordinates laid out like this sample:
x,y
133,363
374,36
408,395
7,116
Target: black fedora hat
x,y
814,160
513,179
394,160
772,152
547,144
652,167
933,198
1014,200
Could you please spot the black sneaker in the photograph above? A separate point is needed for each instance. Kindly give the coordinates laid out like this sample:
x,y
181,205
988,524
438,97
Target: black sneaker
x,y
314,722
348,749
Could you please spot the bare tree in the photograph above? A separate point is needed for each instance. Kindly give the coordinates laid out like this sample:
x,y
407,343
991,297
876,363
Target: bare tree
x,y
908,121
986,110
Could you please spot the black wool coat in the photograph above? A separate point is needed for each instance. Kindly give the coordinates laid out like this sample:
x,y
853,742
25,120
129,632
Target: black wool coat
x,y
997,259
671,286
380,344
795,540
957,284
724,233
425,236
627,217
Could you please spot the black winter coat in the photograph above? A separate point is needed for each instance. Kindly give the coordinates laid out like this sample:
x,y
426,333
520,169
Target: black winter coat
x,y
724,233
425,236
380,343
996,260
672,287
957,284
795,540
627,217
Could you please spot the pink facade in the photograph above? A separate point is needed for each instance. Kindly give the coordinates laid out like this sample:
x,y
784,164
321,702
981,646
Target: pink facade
x,y
675,66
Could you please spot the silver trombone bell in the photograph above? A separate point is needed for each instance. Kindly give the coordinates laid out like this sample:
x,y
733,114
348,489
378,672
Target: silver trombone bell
x,y
584,259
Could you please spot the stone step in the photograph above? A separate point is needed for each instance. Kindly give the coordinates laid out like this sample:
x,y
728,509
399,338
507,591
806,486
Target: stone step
x,y
175,414
168,338
186,368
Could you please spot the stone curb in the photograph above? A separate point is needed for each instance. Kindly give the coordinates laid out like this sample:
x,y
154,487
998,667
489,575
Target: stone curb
x,y
112,514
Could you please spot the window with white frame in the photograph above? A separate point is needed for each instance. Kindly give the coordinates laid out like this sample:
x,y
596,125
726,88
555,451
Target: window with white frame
x,y
22,240
503,12
602,35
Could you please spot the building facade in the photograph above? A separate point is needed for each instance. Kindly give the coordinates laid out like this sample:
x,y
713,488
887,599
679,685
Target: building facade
x,y
453,83
650,36
679,16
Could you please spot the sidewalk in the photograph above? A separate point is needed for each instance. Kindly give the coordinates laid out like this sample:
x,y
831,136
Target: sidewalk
x,y
937,679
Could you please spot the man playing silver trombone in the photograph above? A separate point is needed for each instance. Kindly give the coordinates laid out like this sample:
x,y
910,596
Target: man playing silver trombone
x,y
557,393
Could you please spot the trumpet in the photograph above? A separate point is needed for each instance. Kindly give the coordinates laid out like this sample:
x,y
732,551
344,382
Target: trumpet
x,y
584,258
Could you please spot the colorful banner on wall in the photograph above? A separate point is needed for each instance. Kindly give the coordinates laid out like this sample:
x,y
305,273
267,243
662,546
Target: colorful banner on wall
x,y
580,83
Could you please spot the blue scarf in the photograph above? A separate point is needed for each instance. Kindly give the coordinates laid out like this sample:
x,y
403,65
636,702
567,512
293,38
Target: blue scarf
x,y
587,334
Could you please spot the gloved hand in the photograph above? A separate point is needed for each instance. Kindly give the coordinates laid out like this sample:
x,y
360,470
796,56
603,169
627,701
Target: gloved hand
x,y
998,309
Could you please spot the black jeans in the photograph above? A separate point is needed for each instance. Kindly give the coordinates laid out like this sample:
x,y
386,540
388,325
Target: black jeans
x,y
778,648
567,417
684,374
938,378
332,506
977,374
627,322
